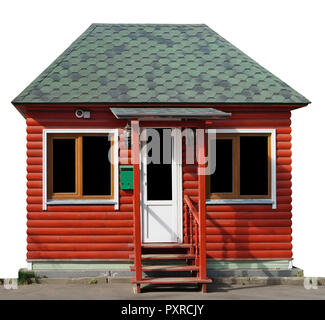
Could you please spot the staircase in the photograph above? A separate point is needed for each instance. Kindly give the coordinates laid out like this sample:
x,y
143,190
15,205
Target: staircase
x,y
169,263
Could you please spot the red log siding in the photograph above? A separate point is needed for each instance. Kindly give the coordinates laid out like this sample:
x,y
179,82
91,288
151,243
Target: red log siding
x,y
101,232
251,231
79,231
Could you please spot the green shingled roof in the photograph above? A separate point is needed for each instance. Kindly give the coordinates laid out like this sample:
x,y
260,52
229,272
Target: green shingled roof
x,y
143,63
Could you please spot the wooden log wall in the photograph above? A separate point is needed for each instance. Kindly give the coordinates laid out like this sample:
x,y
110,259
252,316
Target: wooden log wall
x,y
101,232
73,231
251,231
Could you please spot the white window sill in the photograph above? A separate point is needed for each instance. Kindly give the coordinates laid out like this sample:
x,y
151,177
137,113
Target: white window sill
x,y
80,201
242,201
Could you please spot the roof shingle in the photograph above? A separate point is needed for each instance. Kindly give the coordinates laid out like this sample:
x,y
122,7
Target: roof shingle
x,y
143,63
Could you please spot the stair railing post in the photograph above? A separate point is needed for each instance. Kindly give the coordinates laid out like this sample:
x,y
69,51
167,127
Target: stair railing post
x,y
196,227
186,240
136,199
191,231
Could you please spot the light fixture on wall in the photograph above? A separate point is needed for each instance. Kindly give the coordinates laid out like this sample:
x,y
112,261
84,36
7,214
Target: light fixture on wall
x,y
127,135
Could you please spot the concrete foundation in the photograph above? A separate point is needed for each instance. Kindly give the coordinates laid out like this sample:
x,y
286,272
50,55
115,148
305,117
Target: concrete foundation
x,y
215,269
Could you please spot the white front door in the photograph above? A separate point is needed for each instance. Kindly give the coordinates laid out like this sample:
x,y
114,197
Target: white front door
x,y
161,187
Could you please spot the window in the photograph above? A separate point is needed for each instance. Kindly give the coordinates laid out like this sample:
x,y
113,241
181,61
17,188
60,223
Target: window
x,y
161,173
79,166
243,166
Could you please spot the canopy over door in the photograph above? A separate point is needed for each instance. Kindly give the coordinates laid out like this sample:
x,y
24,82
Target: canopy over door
x,y
168,113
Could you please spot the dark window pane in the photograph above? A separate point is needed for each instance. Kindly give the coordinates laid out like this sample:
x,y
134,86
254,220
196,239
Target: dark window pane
x,y
159,176
96,167
221,180
253,165
64,165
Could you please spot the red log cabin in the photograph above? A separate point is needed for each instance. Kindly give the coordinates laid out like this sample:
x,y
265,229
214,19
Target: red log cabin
x,y
211,195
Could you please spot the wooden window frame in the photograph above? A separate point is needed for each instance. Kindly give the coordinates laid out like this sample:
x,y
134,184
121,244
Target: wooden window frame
x,y
235,194
78,194
115,157
224,195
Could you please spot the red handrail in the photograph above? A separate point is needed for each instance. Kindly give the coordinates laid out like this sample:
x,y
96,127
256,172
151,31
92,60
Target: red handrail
x,y
194,222
192,208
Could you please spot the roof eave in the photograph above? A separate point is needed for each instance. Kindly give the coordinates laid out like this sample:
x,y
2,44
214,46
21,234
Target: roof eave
x,y
300,104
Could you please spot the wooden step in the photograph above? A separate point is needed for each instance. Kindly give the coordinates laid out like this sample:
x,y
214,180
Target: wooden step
x,y
163,245
172,280
166,245
167,268
165,256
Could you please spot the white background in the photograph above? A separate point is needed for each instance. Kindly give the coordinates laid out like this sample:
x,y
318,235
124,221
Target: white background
x,y
284,36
